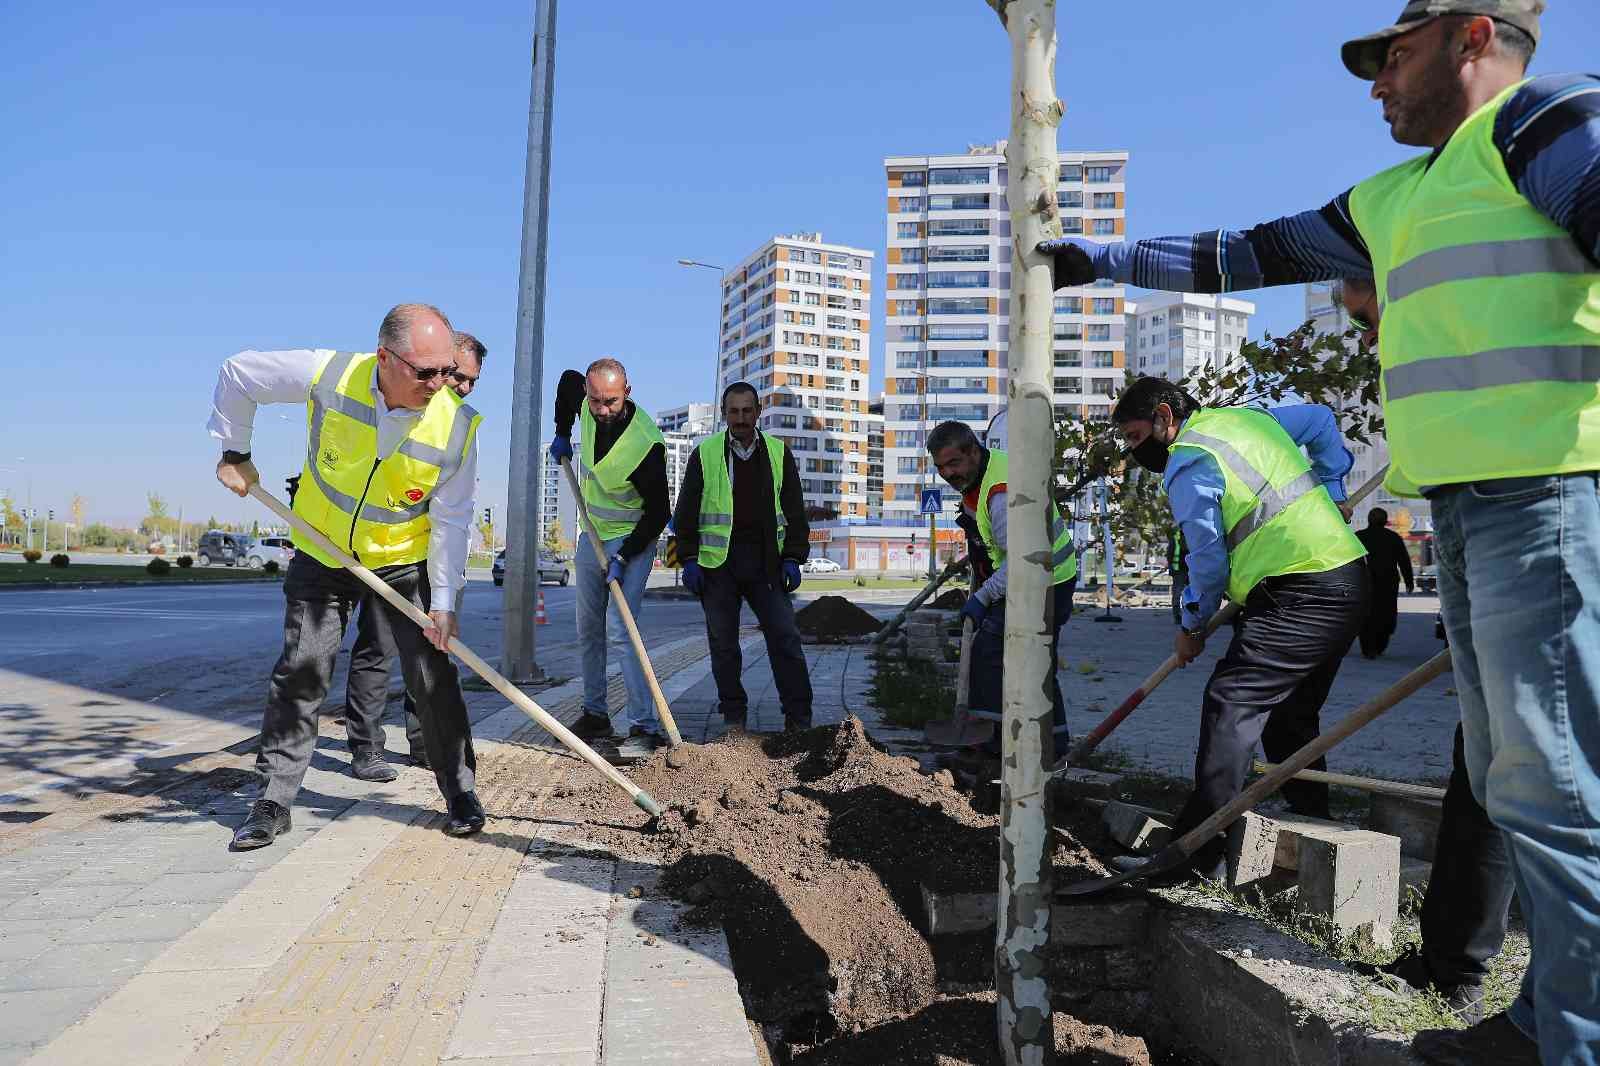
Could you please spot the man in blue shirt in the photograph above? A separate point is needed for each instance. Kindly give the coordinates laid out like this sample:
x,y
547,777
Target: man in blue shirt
x,y
1271,683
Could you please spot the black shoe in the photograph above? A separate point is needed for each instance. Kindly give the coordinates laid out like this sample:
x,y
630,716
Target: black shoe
x,y
420,758
592,727
735,727
267,820
1464,1000
466,815
1496,1042
796,725
368,764
1187,874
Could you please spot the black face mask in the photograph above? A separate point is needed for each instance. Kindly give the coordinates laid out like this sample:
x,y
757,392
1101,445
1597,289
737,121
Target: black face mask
x,y
1150,453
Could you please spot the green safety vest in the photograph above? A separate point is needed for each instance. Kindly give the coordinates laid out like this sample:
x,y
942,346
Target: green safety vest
x,y
1278,518
716,496
378,508
1063,556
1490,344
614,505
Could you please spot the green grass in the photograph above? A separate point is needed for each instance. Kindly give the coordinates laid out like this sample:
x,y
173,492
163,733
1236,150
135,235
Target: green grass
x,y
99,573
812,583
909,694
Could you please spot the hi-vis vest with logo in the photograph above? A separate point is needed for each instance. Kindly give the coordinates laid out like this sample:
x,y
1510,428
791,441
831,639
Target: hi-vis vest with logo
x,y
1491,320
716,496
614,505
377,509
1279,519
1063,557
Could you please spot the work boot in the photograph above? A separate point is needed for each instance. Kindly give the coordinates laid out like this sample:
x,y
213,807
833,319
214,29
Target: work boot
x,y
466,815
266,822
368,764
796,724
1186,875
593,727
1496,1042
639,745
1465,1000
420,758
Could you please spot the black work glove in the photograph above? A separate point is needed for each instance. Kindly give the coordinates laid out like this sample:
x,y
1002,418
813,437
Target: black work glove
x,y
1070,256
570,392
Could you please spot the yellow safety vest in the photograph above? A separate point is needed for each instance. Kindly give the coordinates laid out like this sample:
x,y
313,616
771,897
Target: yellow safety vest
x,y
614,505
1278,518
377,508
1063,556
716,496
1491,320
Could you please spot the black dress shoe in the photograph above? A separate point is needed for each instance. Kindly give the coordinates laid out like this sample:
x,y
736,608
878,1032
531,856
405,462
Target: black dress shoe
x,y
592,727
368,764
466,815
267,820
420,758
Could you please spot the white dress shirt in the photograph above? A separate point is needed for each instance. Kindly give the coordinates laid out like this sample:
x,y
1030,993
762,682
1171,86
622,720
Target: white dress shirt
x,y
250,379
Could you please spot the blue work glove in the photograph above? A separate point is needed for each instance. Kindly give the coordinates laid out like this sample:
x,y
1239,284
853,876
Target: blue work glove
x,y
560,448
1072,260
975,610
618,565
694,578
791,575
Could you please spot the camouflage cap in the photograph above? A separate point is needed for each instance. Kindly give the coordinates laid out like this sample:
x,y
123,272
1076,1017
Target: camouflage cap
x,y
1365,56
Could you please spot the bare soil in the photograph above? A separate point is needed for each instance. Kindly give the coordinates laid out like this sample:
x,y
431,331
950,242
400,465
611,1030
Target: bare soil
x,y
949,600
810,850
835,617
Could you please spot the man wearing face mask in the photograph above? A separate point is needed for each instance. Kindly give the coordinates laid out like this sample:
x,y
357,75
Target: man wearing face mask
x,y
1262,527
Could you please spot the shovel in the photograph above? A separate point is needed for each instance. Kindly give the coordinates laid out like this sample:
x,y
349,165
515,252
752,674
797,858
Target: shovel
x,y
1178,852
523,702
961,730
918,600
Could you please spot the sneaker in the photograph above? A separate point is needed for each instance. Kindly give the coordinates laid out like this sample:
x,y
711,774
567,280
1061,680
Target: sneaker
x,y
592,727
368,764
640,744
1496,1042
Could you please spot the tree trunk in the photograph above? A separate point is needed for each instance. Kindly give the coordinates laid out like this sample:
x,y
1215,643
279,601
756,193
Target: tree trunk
x,y
1026,1029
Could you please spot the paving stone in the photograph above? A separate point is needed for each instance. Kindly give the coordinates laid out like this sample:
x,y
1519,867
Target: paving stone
x,y
34,1016
191,888
562,1023
84,965
156,921
699,1022
1133,828
85,901
228,947
1353,880
23,939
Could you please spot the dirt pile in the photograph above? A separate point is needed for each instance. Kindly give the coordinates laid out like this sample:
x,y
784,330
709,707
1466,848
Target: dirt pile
x,y
834,618
810,849
950,600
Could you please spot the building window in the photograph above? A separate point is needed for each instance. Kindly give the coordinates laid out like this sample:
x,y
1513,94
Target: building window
x,y
906,231
1104,226
959,176
1070,386
1102,360
1101,387
961,305
958,254
1101,332
1098,174
1069,357
905,281
1069,305
1105,201
1071,172
905,307
913,177
911,255
958,279
909,203
961,332
1071,224
956,227
1069,198
1104,306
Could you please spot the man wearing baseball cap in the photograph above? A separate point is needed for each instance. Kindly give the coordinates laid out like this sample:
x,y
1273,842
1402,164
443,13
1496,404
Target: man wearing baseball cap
x,y
1485,251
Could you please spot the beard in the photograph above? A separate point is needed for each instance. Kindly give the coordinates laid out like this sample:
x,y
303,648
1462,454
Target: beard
x,y
1438,103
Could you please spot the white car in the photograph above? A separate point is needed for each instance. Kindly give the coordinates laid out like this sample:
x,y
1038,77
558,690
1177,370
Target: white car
x,y
263,550
820,565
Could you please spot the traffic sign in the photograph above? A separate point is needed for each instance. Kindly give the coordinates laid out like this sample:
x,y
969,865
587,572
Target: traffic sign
x,y
932,501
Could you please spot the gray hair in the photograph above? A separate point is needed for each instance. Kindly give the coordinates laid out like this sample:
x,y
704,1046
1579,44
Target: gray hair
x,y
466,342
394,333
607,364
946,434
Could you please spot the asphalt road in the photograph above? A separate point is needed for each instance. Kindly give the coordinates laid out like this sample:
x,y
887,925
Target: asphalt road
x,y
95,682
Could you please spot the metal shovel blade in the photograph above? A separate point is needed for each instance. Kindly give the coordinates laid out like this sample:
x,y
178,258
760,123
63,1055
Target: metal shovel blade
x,y
1168,858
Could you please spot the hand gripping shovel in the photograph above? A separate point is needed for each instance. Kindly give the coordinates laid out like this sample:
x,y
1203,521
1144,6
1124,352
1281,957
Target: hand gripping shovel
x,y
961,730
1228,613
523,703
1177,853
662,710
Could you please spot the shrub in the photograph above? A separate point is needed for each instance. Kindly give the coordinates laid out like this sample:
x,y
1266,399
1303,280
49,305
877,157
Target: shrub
x,y
271,567
32,555
861,582
184,561
59,560
157,567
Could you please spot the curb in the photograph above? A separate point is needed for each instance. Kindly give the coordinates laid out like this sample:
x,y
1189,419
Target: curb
x,y
34,586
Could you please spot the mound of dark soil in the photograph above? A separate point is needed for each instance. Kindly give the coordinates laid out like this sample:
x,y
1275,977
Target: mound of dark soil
x,y
950,600
834,617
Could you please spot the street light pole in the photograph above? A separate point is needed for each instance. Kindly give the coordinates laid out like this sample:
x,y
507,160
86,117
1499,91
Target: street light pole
x,y
527,467
716,350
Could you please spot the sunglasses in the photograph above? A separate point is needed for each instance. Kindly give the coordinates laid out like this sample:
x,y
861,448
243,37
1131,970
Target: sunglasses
x,y
423,373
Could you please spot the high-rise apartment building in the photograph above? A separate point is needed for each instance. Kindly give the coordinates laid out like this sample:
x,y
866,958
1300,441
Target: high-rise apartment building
x,y
948,303
796,325
694,419
875,459
556,505
1173,334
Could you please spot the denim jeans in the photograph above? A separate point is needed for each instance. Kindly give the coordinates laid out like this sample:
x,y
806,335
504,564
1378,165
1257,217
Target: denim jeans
x,y
594,604
1519,582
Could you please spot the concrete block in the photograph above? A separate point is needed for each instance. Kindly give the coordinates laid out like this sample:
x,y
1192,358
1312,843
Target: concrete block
x,y
1133,828
1091,784
1415,821
1127,968
1099,923
1258,843
1353,880
958,912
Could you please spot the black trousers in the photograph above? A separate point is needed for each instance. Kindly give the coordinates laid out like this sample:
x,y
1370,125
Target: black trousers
x,y
1382,617
988,664
319,601
1269,687
1469,892
366,695
741,579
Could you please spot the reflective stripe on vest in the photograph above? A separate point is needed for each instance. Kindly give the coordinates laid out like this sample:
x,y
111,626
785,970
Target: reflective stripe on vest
x,y
1063,555
1491,319
716,496
1277,517
613,504
378,510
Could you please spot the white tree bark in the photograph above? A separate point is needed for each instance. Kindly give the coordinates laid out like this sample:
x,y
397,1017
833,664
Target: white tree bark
x,y
1026,1028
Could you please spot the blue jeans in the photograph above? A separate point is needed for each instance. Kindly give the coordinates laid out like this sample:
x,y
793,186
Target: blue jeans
x,y
1519,582
594,597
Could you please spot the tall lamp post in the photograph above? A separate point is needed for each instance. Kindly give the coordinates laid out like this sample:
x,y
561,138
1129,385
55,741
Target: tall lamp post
x,y
716,350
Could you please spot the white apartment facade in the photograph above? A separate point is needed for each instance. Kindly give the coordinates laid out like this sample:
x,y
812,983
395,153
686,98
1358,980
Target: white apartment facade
x,y
556,504
796,324
694,419
948,303
1173,334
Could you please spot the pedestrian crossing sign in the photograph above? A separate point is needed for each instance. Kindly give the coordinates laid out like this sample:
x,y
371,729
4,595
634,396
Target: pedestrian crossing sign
x,y
932,501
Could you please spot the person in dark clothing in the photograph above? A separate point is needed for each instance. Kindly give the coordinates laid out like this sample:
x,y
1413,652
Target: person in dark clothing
x,y
1387,563
623,478
742,538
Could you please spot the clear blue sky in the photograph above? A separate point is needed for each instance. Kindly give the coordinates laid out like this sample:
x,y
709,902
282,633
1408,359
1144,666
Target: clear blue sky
x,y
183,183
